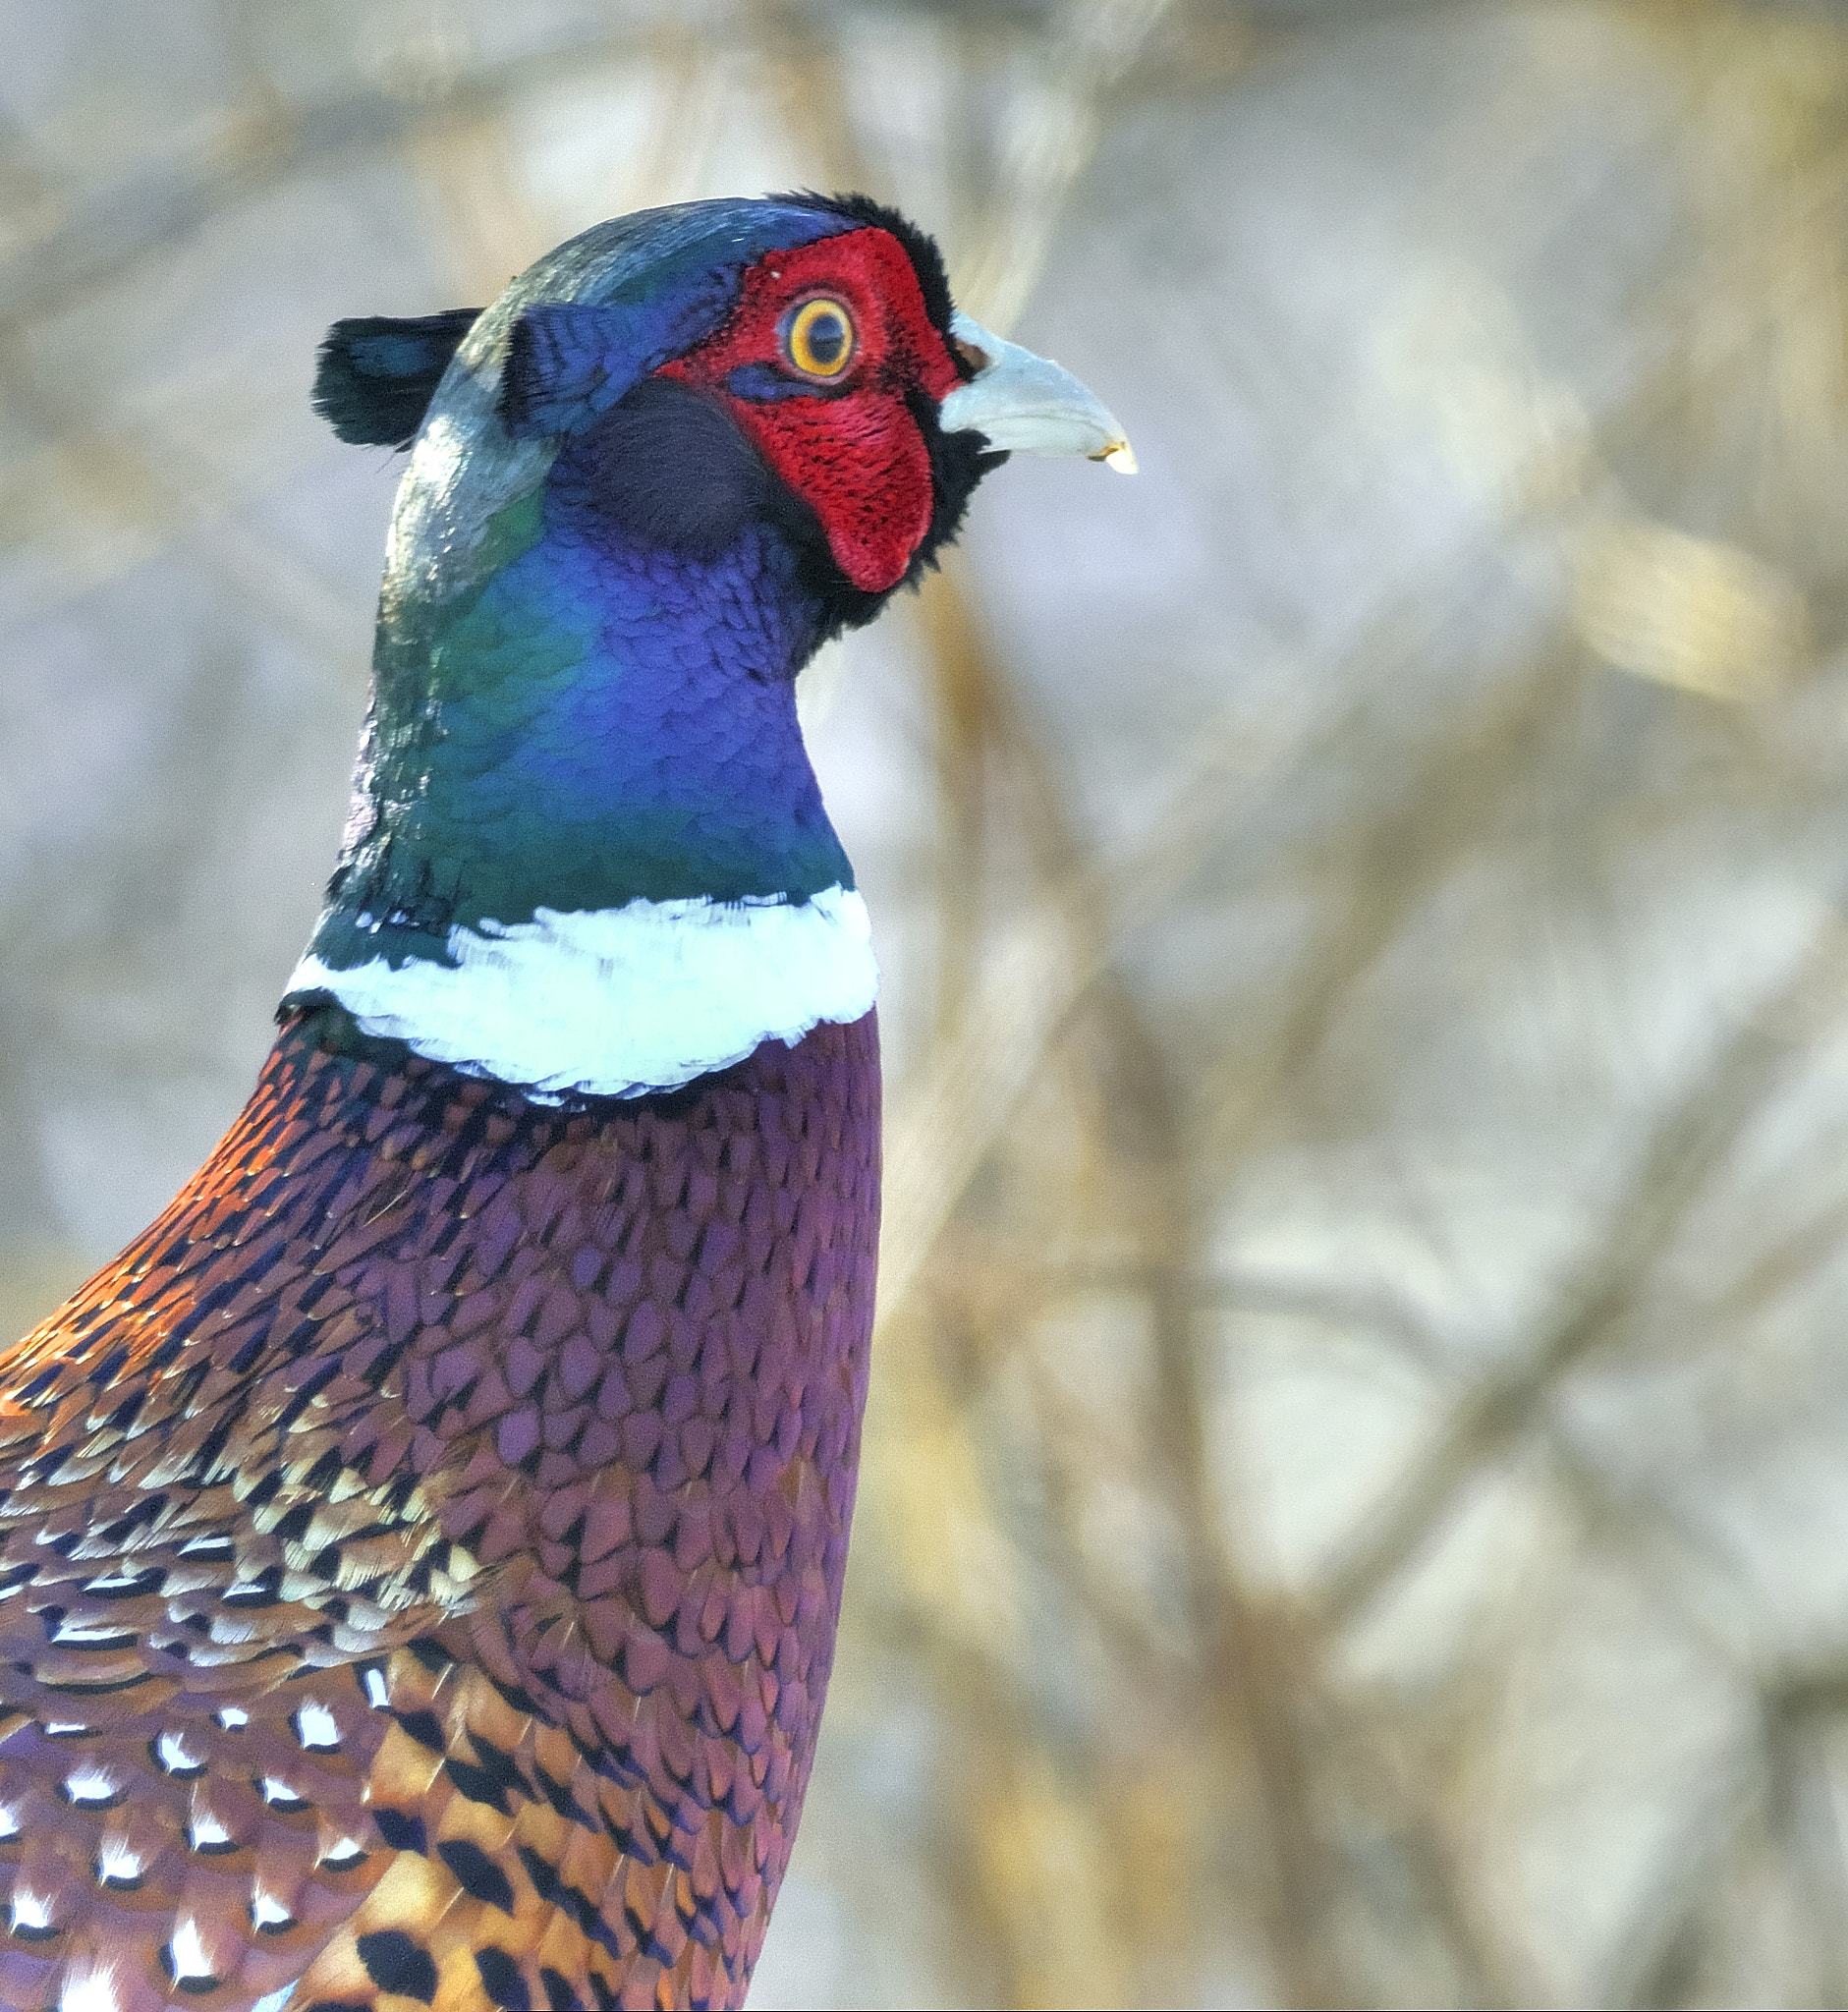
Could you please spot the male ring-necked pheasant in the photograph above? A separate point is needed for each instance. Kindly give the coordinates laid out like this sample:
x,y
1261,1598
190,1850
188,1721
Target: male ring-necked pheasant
x,y
420,1550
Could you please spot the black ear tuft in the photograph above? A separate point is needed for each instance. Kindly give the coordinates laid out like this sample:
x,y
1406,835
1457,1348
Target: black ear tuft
x,y
374,377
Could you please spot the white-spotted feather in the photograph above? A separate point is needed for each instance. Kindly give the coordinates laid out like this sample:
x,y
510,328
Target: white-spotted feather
x,y
90,1989
316,1726
187,1951
90,1784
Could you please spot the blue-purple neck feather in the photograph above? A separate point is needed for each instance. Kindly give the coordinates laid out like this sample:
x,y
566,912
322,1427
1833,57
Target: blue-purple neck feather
x,y
593,616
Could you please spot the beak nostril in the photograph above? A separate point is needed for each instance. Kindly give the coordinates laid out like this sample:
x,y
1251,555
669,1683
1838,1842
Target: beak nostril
x,y
971,354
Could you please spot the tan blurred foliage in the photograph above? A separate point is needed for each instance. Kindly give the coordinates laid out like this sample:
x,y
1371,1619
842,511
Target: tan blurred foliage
x,y
1356,1495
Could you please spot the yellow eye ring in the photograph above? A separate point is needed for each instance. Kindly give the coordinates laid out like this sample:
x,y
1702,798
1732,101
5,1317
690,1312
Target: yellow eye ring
x,y
818,339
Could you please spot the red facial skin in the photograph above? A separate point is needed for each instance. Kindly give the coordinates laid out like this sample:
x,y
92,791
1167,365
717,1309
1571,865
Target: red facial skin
x,y
850,448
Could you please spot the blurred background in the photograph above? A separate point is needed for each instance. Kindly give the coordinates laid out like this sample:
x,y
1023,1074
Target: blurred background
x,y
1356,1505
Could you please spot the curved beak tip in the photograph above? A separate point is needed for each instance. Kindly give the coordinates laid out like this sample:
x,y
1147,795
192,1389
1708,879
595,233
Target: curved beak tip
x,y
1121,457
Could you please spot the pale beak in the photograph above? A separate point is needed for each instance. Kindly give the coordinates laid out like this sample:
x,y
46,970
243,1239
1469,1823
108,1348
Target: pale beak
x,y
1028,404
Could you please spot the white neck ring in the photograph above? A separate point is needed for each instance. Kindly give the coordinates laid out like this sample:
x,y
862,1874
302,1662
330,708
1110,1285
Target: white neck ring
x,y
618,1002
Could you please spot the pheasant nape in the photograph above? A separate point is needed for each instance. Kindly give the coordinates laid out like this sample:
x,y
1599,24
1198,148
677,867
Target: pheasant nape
x,y
420,1550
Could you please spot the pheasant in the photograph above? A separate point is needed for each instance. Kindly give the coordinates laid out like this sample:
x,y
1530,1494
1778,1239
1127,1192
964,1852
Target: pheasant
x,y
420,1550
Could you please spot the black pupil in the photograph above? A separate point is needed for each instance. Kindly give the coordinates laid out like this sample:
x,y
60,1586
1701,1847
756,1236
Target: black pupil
x,y
827,339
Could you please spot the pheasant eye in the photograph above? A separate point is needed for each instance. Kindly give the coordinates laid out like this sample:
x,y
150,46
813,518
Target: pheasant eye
x,y
819,338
